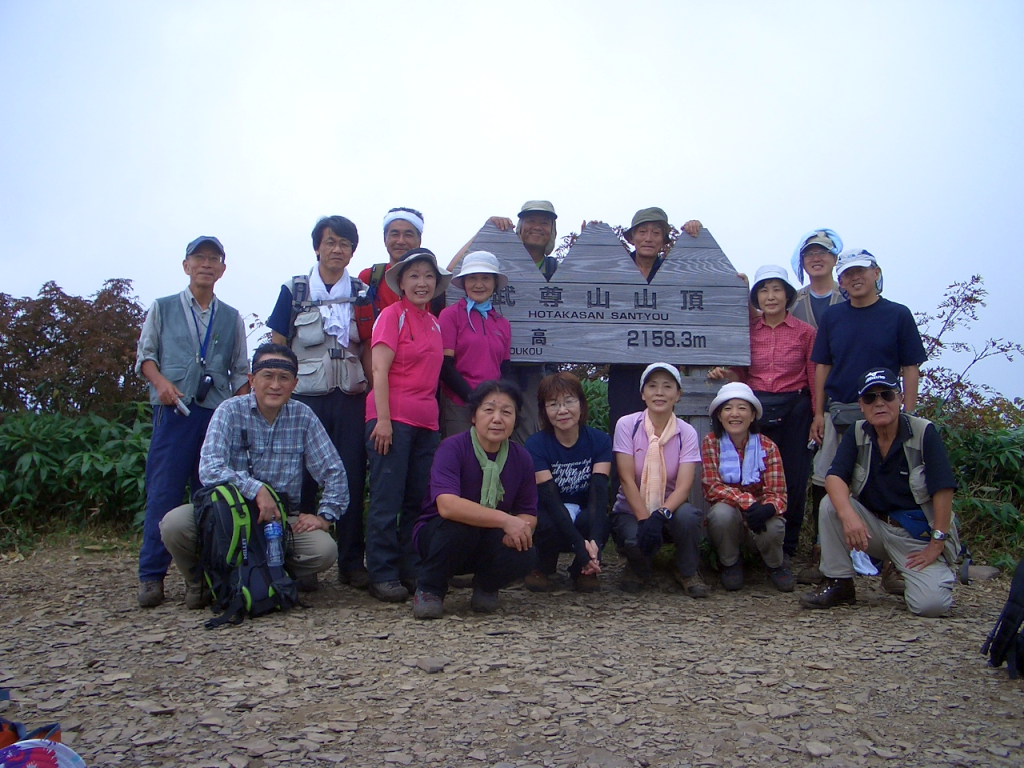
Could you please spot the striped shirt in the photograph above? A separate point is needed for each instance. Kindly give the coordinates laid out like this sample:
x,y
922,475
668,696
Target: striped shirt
x,y
279,451
771,489
780,357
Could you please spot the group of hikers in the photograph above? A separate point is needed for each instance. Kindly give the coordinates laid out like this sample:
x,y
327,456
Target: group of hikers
x,y
364,375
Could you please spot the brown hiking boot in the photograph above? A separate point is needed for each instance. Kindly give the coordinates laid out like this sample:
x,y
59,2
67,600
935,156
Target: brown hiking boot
x,y
892,581
830,594
693,586
588,583
197,595
811,574
536,581
151,593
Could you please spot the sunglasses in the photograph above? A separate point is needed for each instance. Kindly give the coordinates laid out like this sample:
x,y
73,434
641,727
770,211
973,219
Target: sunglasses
x,y
887,394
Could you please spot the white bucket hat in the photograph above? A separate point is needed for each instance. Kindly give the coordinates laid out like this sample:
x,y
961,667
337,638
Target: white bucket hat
x,y
735,390
671,370
772,272
480,263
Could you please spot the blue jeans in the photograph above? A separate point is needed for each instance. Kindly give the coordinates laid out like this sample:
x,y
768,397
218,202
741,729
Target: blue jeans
x,y
342,416
398,484
172,465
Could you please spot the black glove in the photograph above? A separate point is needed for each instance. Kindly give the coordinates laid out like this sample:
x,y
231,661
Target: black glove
x,y
650,533
757,517
453,379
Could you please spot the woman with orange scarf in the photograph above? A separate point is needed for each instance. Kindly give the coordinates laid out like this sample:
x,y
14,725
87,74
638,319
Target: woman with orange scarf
x,y
657,455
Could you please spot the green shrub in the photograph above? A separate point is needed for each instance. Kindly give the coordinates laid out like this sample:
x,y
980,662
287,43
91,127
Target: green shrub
x,y
990,468
596,391
60,471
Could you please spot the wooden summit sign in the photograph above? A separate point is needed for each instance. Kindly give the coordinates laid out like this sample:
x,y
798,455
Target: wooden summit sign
x,y
598,308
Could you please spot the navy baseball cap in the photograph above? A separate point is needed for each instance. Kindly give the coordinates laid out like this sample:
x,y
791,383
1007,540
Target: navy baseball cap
x,y
191,247
877,377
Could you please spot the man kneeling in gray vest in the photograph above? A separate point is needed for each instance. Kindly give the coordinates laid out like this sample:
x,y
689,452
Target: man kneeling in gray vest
x,y
890,494
260,439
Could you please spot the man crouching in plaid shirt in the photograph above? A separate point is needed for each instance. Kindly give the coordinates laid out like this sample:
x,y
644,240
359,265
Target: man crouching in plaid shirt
x,y
264,439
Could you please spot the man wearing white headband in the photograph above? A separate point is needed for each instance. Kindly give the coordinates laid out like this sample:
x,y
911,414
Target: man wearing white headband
x,y
403,231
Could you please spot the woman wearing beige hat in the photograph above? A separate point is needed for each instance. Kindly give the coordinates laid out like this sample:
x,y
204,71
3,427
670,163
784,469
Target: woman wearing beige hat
x,y
402,420
476,339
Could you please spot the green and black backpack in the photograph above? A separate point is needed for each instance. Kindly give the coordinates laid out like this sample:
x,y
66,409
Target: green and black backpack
x,y
233,559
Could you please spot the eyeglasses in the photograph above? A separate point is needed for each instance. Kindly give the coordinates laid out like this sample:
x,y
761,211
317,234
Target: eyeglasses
x,y
209,258
330,244
569,403
887,394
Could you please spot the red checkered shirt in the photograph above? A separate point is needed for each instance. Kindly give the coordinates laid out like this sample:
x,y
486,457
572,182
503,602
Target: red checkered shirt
x,y
780,357
771,489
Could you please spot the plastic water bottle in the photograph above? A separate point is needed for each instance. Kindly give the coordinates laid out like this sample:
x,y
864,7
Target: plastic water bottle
x,y
273,533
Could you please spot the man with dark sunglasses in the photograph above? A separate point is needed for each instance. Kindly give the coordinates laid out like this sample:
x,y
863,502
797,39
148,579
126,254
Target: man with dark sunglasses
x,y
890,494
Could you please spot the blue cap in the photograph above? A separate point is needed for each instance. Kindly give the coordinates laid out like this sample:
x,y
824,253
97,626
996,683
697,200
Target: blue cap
x,y
191,247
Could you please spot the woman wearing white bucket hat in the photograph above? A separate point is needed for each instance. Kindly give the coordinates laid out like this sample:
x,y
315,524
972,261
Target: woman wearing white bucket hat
x,y
475,338
781,375
743,481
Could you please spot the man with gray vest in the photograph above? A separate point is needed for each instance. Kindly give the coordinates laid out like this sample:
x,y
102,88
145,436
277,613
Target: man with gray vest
x,y
192,352
324,317
890,494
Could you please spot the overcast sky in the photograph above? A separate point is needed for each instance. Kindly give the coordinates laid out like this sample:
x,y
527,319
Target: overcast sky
x,y
129,128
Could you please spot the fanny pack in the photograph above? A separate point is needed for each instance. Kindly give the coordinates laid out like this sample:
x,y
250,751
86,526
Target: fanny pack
x,y
776,406
844,414
913,521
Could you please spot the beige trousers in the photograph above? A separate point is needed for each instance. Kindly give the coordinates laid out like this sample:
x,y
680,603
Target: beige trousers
x,y
728,533
310,552
928,592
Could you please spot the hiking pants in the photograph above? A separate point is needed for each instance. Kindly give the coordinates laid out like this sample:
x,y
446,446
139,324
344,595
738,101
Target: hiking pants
x,y
684,529
171,466
728,533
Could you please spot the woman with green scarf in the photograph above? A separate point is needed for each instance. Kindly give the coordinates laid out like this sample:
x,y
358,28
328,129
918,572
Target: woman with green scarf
x,y
481,507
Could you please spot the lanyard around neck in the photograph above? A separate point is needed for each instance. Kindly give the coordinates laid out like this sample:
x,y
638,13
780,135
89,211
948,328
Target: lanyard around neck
x,y
203,344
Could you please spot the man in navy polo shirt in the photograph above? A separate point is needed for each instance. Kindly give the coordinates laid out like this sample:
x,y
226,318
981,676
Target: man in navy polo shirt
x,y
890,494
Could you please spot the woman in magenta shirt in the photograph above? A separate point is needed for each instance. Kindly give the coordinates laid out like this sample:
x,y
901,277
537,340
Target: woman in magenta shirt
x,y
402,420
477,340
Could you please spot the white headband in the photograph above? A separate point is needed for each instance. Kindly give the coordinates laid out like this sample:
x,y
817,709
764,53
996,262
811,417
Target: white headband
x,y
412,218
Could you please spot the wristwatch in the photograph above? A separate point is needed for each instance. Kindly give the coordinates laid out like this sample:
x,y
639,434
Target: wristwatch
x,y
666,512
938,535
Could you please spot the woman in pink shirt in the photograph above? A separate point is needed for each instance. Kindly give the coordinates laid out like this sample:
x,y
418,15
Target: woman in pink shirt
x,y
402,420
476,339
781,375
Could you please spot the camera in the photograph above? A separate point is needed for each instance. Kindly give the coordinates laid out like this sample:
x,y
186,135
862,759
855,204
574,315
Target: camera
x,y
205,384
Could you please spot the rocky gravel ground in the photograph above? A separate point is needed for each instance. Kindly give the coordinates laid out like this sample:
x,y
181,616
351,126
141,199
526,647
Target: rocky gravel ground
x,y
561,679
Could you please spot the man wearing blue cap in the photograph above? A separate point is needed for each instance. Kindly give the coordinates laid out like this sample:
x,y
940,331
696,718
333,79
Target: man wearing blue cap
x,y
192,352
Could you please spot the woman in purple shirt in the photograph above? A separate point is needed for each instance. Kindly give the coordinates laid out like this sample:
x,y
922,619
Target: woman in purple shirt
x,y
481,507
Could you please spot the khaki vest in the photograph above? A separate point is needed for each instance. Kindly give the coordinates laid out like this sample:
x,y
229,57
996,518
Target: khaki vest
x,y
324,363
913,449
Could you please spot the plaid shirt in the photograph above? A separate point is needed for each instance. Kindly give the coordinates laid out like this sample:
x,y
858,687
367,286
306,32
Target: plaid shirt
x,y
780,357
278,452
771,489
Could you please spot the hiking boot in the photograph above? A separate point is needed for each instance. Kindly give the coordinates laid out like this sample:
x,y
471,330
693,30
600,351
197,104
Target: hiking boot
x,y
357,578
831,593
630,582
693,586
483,602
151,593
197,595
427,605
536,581
308,583
588,583
389,591
461,581
811,574
732,576
892,581
638,562
782,578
